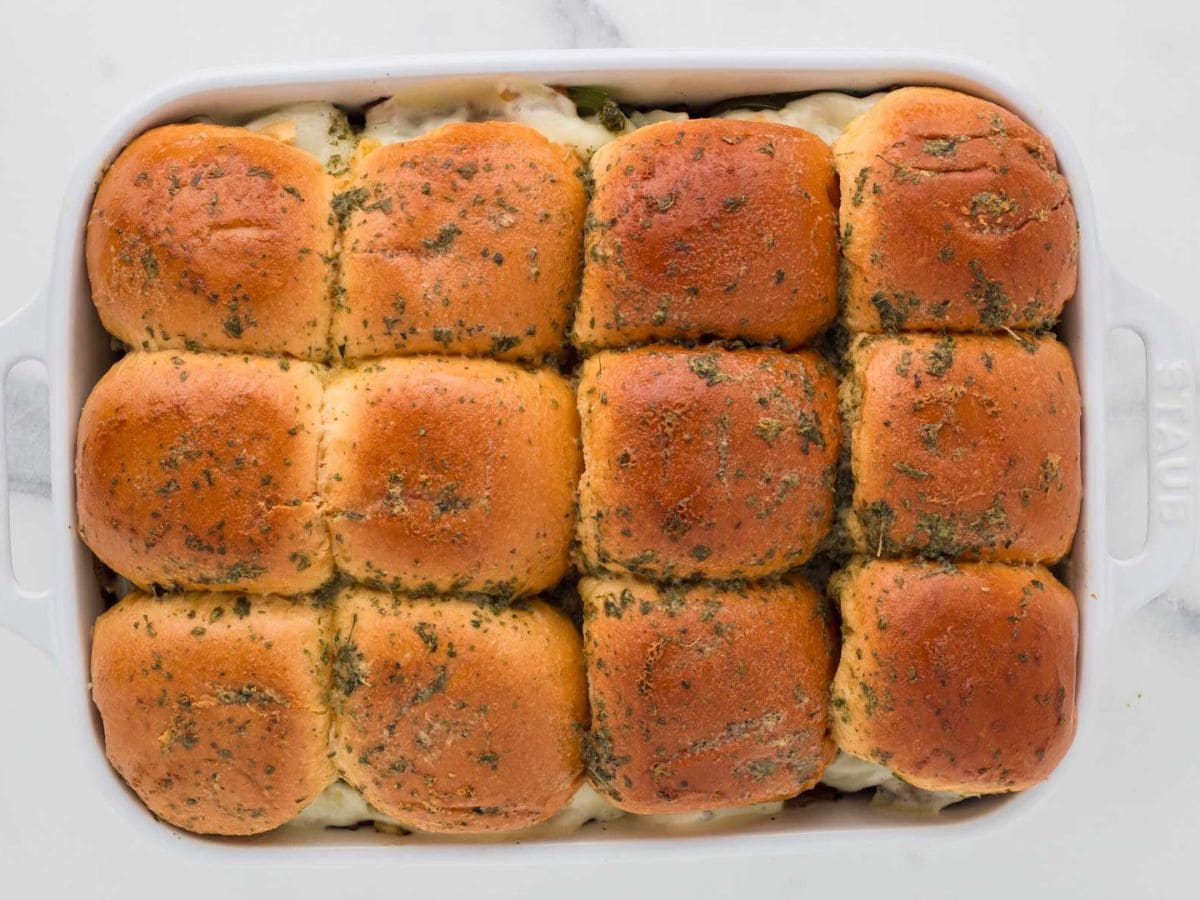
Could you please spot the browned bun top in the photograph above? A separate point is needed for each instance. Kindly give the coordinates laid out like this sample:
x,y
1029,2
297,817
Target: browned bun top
x,y
963,446
457,716
706,462
703,697
215,706
203,237
954,216
465,240
710,227
200,471
446,475
956,678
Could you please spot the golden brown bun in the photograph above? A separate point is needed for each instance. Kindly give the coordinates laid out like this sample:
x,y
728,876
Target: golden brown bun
x,y
710,227
457,716
706,462
215,707
447,475
704,698
465,240
210,238
956,678
954,216
200,471
963,446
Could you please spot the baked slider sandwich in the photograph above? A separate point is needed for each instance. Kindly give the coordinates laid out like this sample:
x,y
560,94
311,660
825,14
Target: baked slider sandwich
x,y
199,470
954,216
458,716
205,237
463,240
704,697
444,475
706,462
956,678
963,446
710,227
215,706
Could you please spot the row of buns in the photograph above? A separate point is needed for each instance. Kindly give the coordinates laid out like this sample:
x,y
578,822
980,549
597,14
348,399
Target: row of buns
x,y
456,475
477,237
953,218
230,714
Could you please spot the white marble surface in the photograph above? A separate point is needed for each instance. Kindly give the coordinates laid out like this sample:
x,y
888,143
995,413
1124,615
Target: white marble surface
x,y
1126,819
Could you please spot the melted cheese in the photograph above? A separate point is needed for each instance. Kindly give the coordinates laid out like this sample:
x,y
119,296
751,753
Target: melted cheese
x,y
639,118
317,128
341,806
587,805
418,111
850,774
706,820
825,114
323,130
903,797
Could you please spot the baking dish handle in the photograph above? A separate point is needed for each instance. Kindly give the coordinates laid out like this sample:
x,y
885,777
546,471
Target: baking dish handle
x,y
1170,417
23,335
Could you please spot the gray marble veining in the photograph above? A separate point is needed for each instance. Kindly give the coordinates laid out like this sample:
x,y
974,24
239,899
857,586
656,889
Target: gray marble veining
x,y
584,23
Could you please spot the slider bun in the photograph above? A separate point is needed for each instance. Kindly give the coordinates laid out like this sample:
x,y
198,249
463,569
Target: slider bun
x,y
451,474
210,238
465,240
704,698
956,678
954,216
706,462
457,716
200,471
963,446
215,706
710,227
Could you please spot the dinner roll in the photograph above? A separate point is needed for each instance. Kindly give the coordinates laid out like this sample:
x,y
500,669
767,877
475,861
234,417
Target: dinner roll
x,y
706,462
215,706
200,471
704,697
465,240
458,716
203,237
710,227
447,475
963,446
957,678
954,216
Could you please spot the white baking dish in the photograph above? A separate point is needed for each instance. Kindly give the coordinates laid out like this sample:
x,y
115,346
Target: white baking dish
x,y
60,328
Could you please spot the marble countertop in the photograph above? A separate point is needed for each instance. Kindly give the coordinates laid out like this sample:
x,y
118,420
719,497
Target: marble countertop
x,y
1124,818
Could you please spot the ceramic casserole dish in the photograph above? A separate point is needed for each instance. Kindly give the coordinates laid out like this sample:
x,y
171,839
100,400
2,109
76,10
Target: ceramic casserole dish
x,y
61,329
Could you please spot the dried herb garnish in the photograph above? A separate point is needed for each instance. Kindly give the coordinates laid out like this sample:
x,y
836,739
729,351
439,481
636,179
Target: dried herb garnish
x,y
345,203
349,665
444,238
427,632
706,367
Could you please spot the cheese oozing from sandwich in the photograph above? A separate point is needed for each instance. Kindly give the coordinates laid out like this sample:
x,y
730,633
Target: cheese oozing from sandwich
x,y
849,774
320,129
825,114
417,111
341,806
